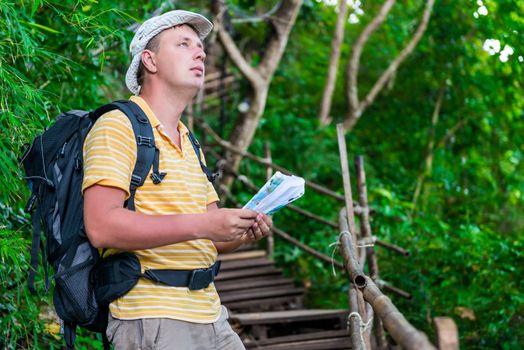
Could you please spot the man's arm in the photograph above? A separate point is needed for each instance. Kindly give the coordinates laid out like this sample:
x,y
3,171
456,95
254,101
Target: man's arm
x,y
261,228
109,225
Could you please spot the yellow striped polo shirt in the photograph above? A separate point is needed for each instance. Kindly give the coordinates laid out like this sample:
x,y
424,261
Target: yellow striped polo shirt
x,y
109,159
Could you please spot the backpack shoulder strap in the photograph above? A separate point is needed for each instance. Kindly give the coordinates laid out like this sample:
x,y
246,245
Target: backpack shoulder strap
x,y
147,153
211,176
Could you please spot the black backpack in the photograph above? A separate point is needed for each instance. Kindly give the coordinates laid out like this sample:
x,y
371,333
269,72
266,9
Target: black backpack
x,y
53,165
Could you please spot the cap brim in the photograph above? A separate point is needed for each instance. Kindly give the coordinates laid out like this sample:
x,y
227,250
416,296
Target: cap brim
x,y
131,75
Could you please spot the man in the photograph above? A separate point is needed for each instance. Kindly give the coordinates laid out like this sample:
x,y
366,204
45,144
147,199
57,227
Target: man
x,y
177,224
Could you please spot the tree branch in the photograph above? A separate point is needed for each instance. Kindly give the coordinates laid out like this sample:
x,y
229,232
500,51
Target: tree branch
x,y
429,151
282,21
338,38
255,19
231,48
352,119
354,62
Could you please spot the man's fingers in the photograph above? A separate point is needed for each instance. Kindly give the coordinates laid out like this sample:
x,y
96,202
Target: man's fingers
x,y
264,227
257,233
265,223
247,214
245,223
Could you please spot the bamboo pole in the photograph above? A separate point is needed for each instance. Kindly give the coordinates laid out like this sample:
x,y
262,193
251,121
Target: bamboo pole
x,y
385,285
244,179
307,248
365,227
376,241
357,341
392,247
229,147
350,217
407,336
250,185
350,260
269,172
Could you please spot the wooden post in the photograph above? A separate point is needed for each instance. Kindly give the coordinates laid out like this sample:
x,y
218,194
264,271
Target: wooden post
x,y
357,342
347,184
407,336
365,229
350,215
269,172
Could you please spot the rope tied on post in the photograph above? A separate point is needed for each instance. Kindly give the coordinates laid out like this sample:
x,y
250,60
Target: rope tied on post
x,y
367,242
336,246
362,325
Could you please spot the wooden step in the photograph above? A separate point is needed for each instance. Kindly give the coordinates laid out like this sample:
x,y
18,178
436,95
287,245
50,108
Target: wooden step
x,y
248,254
290,316
260,293
315,344
252,282
276,303
297,337
246,273
244,263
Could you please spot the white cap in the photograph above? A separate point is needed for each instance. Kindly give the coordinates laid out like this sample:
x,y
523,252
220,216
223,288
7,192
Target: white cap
x,y
152,27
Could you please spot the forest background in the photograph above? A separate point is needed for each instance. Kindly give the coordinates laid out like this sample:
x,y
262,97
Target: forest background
x,y
449,122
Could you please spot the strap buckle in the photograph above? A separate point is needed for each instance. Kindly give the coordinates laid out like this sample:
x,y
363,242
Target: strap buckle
x,y
135,180
200,278
144,141
157,177
212,177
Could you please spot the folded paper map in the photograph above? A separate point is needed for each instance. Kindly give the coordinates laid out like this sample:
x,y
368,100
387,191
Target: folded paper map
x,y
278,192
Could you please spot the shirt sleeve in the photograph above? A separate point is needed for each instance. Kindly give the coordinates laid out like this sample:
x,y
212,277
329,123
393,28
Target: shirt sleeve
x,y
110,152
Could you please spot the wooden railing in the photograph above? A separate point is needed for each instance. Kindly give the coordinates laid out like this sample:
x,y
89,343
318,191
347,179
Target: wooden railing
x,y
356,246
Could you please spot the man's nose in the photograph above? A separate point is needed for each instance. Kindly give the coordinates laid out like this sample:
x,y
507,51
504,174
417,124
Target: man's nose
x,y
200,55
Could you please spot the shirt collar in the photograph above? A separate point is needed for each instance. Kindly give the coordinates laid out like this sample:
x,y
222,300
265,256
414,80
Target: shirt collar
x,y
182,129
147,110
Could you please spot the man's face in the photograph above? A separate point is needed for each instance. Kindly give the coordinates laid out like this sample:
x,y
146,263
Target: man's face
x,y
180,58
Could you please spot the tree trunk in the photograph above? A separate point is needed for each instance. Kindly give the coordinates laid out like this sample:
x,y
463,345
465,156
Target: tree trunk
x,y
246,126
259,77
338,38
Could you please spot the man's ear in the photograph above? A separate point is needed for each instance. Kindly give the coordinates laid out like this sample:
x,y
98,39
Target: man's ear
x,y
149,61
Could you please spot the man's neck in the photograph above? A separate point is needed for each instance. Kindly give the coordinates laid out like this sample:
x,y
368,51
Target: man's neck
x,y
168,107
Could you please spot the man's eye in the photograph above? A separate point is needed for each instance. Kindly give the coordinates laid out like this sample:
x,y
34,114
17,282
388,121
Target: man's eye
x,y
183,44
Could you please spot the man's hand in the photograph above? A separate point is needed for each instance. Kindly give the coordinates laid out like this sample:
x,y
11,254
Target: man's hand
x,y
261,228
230,224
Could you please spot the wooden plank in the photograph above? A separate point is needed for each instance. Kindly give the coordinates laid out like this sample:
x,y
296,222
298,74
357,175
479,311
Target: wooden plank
x,y
244,273
316,344
290,302
244,263
288,316
260,293
242,255
299,337
225,286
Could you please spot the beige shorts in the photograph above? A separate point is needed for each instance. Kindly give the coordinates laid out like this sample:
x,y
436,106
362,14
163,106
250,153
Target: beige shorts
x,y
165,333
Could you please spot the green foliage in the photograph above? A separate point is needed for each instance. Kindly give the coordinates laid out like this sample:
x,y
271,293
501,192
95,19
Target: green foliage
x,y
465,231
465,234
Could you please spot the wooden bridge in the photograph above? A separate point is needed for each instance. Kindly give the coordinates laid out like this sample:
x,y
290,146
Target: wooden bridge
x,y
267,309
